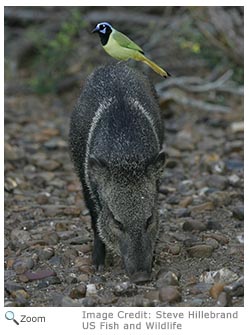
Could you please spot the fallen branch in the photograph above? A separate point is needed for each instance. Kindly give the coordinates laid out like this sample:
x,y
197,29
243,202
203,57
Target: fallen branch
x,y
180,98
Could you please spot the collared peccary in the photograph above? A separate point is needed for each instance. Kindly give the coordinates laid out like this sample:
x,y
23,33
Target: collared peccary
x,y
115,141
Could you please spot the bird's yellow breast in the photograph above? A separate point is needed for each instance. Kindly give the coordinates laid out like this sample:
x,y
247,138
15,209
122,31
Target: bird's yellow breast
x,y
117,51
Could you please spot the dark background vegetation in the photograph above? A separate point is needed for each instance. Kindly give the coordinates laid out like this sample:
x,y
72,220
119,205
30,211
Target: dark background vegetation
x,y
49,51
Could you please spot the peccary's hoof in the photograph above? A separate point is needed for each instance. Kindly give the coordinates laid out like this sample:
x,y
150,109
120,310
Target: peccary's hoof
x,y
140,277
99,268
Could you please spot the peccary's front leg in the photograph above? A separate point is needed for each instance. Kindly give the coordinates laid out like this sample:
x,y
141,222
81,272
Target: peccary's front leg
x,y
98,252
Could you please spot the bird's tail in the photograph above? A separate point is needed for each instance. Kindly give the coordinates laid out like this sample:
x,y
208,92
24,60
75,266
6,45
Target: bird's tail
x,y
154,66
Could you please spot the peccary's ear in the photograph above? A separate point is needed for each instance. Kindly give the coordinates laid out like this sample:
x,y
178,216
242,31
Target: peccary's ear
x,y
160,161
156,165
95,162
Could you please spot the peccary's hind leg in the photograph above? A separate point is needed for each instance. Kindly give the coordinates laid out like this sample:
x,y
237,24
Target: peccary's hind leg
x,y
98,253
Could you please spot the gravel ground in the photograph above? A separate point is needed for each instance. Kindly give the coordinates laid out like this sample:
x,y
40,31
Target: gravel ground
x,y
199,256
48,238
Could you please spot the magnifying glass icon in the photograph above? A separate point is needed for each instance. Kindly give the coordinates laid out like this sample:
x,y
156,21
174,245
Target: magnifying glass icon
x,y
10,316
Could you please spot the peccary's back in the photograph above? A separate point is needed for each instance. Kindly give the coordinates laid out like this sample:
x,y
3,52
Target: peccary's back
x,y
117,117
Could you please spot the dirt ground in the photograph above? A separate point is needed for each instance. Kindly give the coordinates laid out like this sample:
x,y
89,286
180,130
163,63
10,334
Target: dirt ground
x,y
199,256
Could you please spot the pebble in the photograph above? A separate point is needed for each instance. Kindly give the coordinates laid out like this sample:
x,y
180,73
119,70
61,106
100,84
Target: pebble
x,y
206,206
166,278
237,127
223,275
216,289
152,295
43,283
125,289
40,274
175,249
43,198
69,302
169,294
20,238
91,290
212,242
235,289
217,182
48,165
11,286
223,300
234,180
200,251
78,292
185,202
10,184
199,288
139,301
190,225
238,212
51,238
46,253
182,212
234,164
23,264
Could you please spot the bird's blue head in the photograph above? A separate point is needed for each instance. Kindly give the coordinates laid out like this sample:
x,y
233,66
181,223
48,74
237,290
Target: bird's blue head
x,y
103,28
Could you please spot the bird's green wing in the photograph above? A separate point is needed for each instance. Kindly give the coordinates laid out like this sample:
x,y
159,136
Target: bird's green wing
x,y
125,42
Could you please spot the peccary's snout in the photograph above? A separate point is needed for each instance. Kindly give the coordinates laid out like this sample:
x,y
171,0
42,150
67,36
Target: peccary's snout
x,y
137,256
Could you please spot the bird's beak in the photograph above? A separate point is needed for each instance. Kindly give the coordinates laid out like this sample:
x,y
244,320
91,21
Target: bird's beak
x,y
95,30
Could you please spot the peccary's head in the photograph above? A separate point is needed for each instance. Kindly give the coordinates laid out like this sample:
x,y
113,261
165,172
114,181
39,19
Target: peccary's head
x,y
128,221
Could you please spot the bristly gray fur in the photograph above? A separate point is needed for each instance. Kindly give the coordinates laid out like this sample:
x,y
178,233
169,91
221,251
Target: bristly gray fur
x,y
115,137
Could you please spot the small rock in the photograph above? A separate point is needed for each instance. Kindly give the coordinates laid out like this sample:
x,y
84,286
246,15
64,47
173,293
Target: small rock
x,y
223,300
69,302
41,274
78,292
186,201
43,198
46,253
223,276
91,290
166,278
200,251
11,286
175,249
43,283
212,242
199,288
238,212
139,301
10,184
216,289
235,289
217,182
84,277
23,264
234,164
207,206
20,238
125,288
152,295
20,295
48,165
190,225
237,127
234,180
51,238
182,212
72,279
169,294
